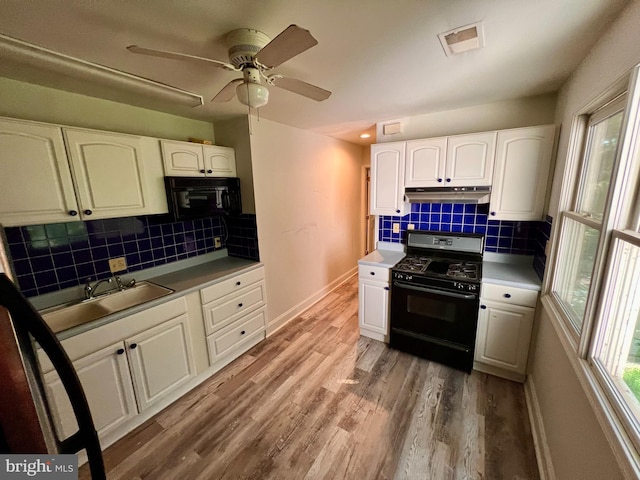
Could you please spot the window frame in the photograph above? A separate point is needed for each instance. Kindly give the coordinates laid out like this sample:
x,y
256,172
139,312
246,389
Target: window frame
x,y
621,220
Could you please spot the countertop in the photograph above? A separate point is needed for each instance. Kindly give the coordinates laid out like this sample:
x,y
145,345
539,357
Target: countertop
x,y
182,281
510,270
382,258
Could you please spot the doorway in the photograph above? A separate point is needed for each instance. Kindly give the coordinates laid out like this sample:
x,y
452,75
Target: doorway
x,y
369,220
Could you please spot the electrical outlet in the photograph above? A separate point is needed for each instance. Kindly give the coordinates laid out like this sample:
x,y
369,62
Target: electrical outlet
x,y
396,228
411,226
117,264
217,242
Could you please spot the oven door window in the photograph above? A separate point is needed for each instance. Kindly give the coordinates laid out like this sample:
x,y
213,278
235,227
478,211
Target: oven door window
x,y
448,315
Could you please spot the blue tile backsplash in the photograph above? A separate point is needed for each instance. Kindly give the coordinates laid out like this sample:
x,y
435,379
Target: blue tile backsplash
x,y
243,237
51,257
542,235
500,236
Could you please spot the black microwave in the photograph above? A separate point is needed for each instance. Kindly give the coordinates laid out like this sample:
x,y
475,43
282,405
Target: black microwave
x,y
190,197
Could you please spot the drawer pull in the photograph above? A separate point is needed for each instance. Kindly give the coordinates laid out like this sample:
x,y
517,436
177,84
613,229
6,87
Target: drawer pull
x,y
372,273
240,305
133,346
507,295
386,288
120,351
238,283
242,332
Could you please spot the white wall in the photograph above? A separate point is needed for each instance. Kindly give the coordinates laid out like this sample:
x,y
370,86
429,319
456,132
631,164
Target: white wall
x,y
235,133
307,192
521,112
43,104
577,442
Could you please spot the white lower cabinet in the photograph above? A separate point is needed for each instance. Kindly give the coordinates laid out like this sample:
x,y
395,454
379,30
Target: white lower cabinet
x,y
122,372
234,313
107,385
373,302
505,323
161,360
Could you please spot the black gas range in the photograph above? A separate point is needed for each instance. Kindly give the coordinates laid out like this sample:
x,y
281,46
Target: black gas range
x,y
435,297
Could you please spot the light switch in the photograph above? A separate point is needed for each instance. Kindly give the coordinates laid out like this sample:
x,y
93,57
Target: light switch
x,y
396,228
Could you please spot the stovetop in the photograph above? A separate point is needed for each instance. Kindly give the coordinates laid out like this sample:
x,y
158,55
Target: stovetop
x,y
432,266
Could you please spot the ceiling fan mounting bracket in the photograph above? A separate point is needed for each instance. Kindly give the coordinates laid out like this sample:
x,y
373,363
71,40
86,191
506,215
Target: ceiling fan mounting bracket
x,y
244,44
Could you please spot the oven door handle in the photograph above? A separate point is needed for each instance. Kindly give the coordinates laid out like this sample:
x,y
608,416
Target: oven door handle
x,y
469,296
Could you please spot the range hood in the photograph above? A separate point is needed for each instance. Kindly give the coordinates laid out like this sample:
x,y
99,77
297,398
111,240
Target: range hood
x,y
448,194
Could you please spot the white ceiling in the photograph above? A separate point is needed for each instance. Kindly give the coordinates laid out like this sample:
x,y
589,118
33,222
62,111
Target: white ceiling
x,y
381,59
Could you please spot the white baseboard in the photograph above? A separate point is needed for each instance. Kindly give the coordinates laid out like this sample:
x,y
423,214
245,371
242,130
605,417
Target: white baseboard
x,y
296,310
543,456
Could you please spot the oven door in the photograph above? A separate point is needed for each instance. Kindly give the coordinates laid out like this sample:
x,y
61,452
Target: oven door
x,y
434,314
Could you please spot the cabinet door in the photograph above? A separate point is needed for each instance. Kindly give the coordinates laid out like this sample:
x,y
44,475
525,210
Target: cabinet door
x,y
374,307
523,160
425,162
106,381
109,174
387,178
504,333
182,159
161,360
470,159
219,161
35,180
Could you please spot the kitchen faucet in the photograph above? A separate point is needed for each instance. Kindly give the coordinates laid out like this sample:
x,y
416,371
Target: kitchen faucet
x,y
90,290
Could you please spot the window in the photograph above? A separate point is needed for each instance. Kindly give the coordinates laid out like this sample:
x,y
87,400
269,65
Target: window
x,y
581,225
596,272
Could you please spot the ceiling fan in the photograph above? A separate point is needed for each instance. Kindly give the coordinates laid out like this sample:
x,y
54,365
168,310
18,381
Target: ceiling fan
x,y
255,55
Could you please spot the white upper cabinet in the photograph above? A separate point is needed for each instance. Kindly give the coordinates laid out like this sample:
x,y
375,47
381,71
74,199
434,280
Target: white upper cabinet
x,y
184,159
425,162
387,179
470,160
109,173
35,181
219,161
523,160
52,174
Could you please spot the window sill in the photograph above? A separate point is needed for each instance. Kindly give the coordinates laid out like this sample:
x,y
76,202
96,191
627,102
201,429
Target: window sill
x,y
623,449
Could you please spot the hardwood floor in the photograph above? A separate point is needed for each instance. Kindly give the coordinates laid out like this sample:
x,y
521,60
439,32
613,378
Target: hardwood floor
x,y
317,401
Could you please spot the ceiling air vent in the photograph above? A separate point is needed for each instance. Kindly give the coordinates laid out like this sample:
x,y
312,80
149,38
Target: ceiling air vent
x,y
462,39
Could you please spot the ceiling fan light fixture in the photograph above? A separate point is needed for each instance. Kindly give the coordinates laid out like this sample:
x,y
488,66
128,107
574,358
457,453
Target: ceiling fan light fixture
x,y
253,95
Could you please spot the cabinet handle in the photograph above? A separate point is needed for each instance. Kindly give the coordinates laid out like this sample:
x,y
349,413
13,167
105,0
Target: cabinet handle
x,y
133,346
448,179
209,171
507,295
88,212
120,351
493,214
201,171
238,283
483,307
372,273
386,288
397,211
73,213
240,305
242,332
440,180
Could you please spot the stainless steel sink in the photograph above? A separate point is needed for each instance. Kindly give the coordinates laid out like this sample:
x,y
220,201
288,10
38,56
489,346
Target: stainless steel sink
x,y
67,316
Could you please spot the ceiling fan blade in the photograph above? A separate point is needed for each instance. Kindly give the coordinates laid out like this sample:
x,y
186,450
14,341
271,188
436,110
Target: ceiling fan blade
x,y
292,41
302,88
228,92
181,56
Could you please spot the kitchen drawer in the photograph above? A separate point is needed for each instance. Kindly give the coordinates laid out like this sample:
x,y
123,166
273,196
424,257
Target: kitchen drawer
x,y
511,295
380,274
224,311
224,341
219,290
